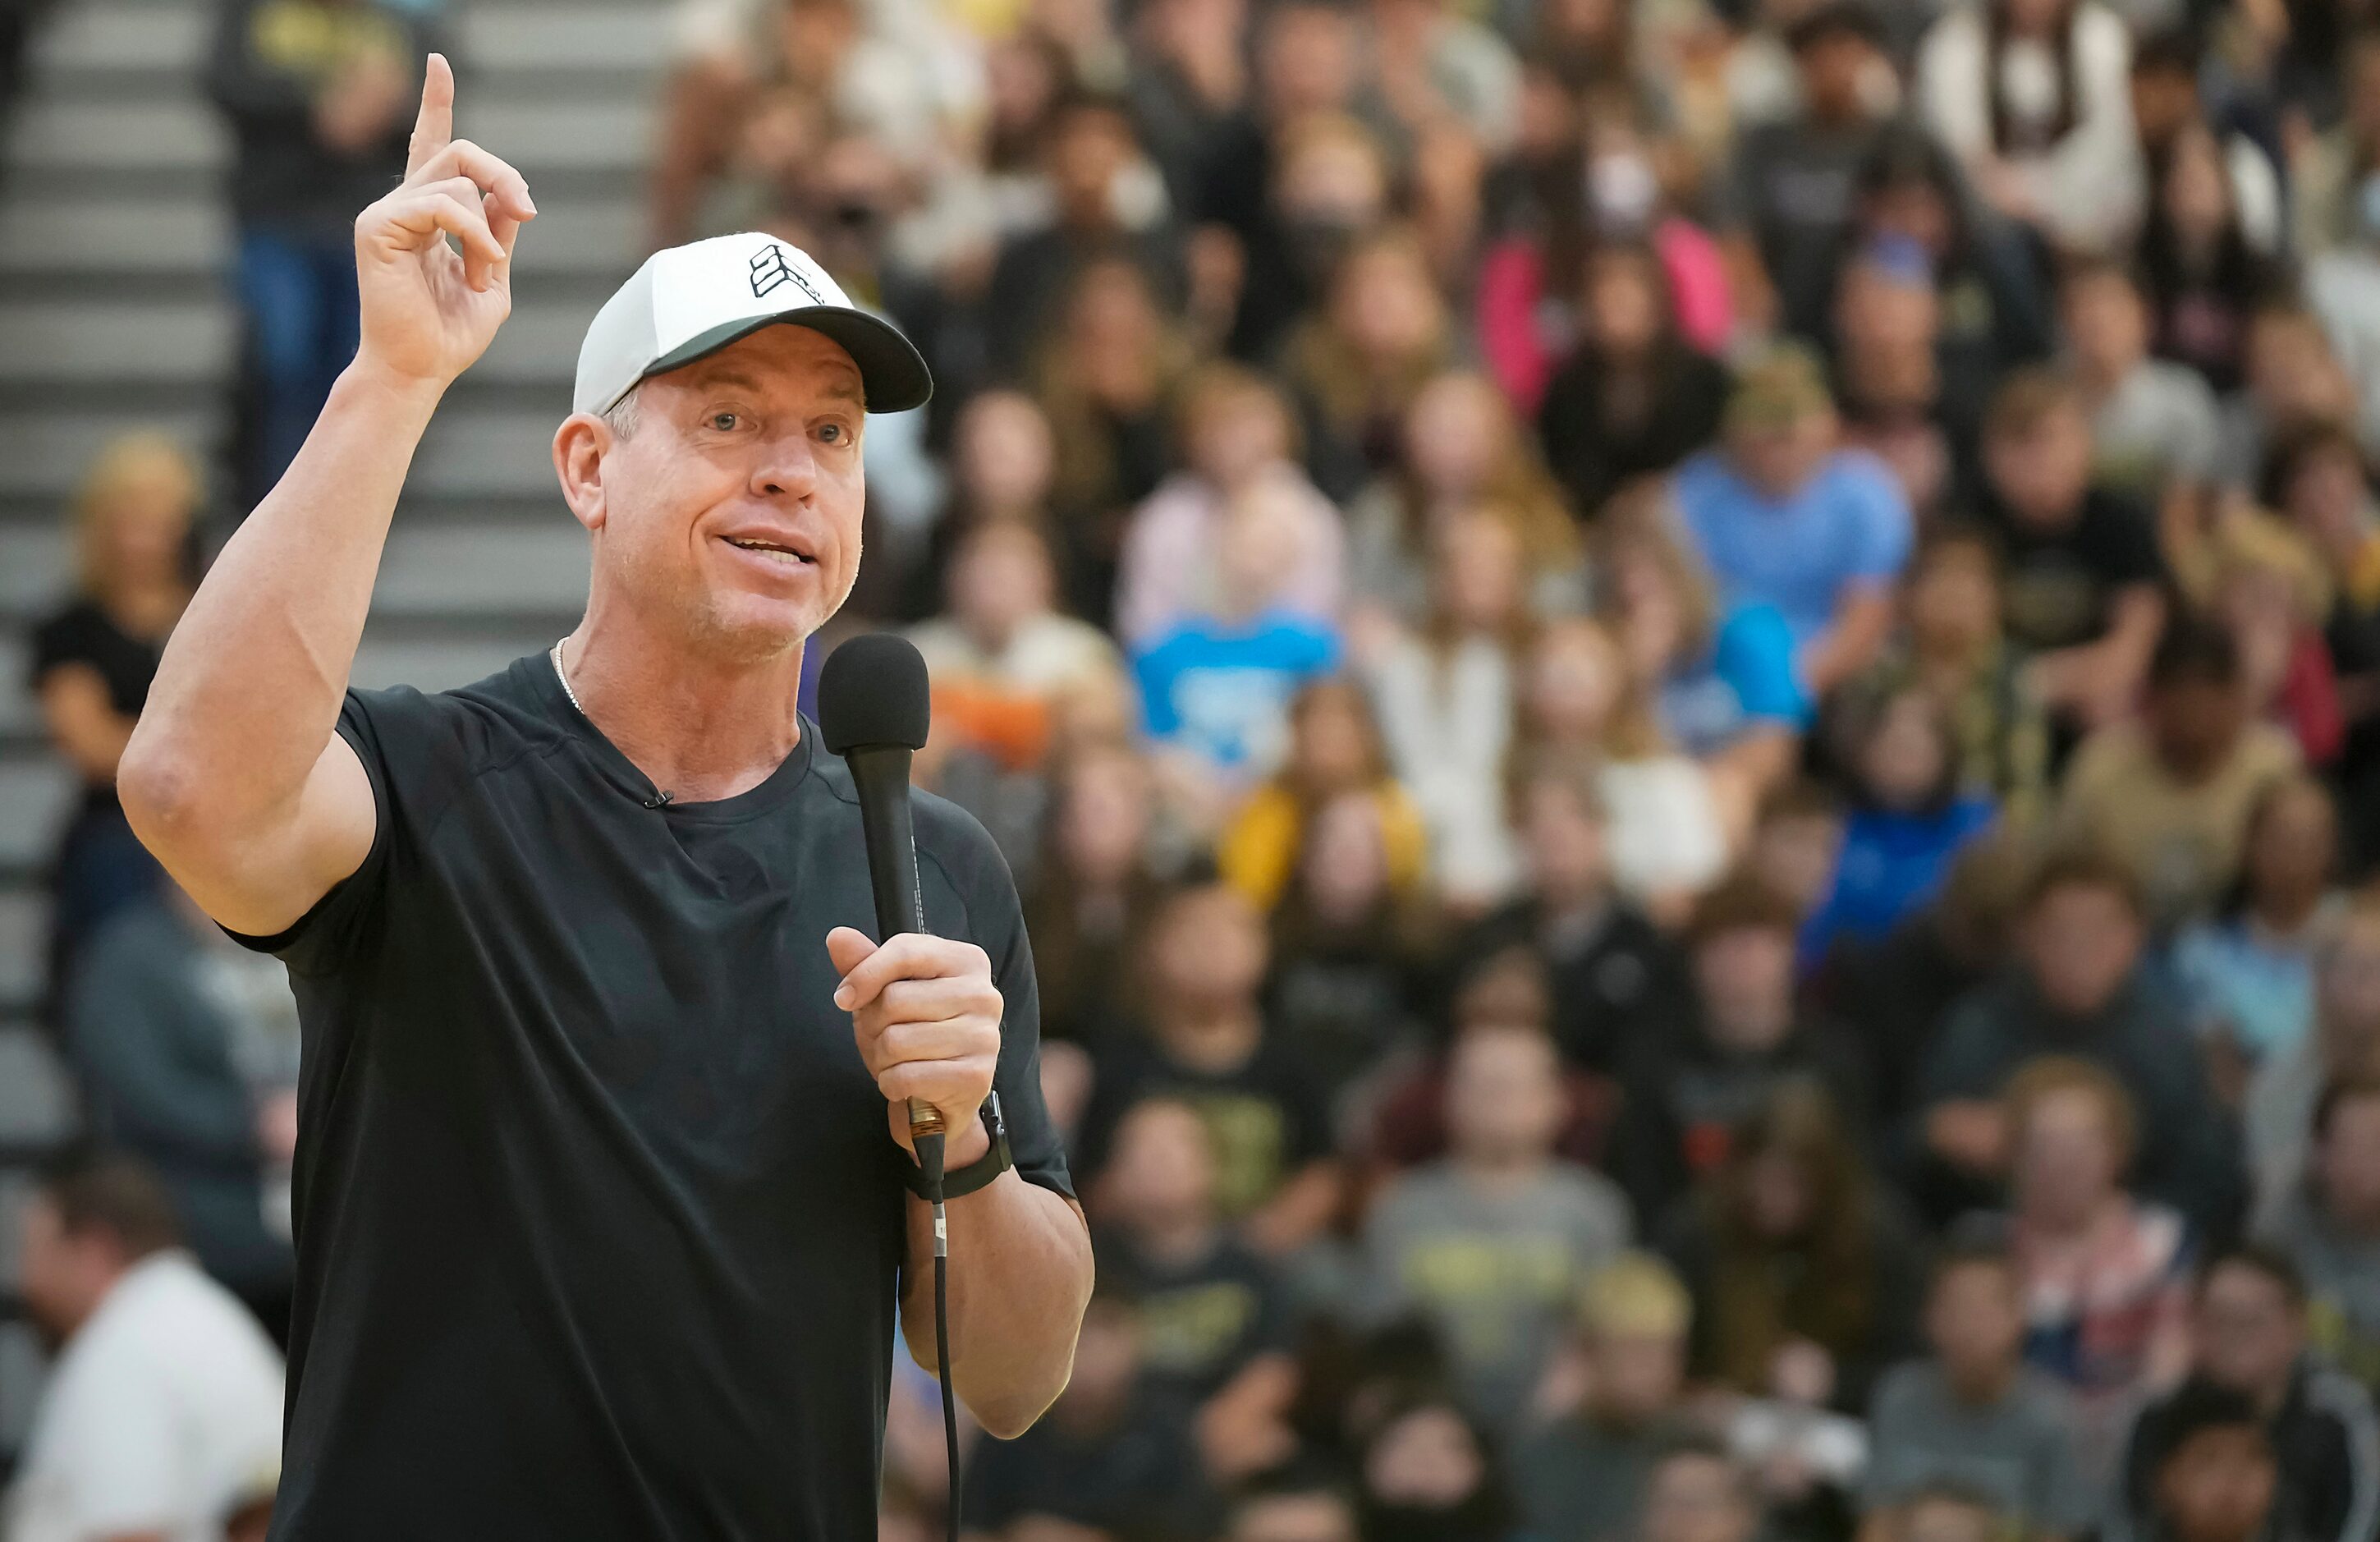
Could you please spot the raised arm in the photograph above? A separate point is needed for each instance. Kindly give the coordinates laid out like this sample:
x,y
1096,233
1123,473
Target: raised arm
x,y
236,778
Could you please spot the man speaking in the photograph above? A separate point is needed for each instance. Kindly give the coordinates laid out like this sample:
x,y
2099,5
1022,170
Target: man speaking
x,y
600,1217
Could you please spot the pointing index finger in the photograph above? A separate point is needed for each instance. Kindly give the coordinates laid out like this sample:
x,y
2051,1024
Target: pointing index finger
x,y
434,127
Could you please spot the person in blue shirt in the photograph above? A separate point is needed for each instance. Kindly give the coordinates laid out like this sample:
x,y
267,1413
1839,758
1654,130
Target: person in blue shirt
x,y
1906,827
1786,518
1215,686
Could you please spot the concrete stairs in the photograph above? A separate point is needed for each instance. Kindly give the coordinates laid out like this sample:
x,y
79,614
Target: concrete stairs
x,y
114,247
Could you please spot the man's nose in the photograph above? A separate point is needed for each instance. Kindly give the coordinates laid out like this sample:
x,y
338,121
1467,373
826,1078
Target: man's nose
x,y
787,467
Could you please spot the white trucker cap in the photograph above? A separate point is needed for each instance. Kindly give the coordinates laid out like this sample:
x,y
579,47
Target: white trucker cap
x,y
694,299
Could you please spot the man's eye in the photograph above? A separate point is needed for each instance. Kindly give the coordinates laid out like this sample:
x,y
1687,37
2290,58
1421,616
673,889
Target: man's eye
x,y
725,421
831,432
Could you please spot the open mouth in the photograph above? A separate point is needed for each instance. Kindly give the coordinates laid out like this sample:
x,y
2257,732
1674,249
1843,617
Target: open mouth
x,y
770,549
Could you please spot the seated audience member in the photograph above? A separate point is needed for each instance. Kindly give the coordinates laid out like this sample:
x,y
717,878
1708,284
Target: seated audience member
x,y
2326,176
1444,691
187,1052
1334,748
2078,988
1003,663
1358,361
1906,826
1721,679
93,659
2249,971
2329,1227
1900,401
1502,987
161,1416
1797,839
1696,1492
2104,1275
1490,1243
1785,518
1634,397
2295,384
2153,422
1802,1270
1896,995
1430,1474
2265,585
1582,1476
1348,955
1207,1044
2221,1479
1236,432
2169,64
1579,701
2202,273
1459,448
2317,478
1949,1513
1109,1457
1002,461
1690,1087
2033,96
1615,979
2170,792
1972,1413
1214,1320
1293,1507
1951,644
1215,689
2080,587
2286,1091
1093,891
1105,379
2249,1338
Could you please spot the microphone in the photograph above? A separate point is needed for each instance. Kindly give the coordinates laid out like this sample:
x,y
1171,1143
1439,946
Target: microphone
x,y
873,711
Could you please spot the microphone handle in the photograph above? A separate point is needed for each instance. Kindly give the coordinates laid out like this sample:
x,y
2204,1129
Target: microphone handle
x,y
881,775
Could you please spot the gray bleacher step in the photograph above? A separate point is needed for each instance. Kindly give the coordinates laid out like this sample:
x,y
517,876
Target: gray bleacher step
x,y
469,452
440,663
21,1369
539,36
124,339
24,937
611,134
58,237
36,794
44,455
37,1104
452,570
35,573
20,716
15,1188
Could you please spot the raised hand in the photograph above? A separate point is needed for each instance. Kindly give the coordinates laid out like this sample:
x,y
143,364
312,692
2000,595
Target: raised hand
x,y
428,310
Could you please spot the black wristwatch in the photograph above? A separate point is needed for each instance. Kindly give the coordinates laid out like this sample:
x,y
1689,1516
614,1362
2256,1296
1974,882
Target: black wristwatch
x,y
986,1168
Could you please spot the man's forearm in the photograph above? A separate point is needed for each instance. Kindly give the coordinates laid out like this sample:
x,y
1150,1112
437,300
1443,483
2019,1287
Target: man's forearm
x,y
1020,1274
249,691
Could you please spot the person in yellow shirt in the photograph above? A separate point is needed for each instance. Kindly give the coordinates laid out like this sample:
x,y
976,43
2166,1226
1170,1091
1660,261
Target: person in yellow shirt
x,y
1334,748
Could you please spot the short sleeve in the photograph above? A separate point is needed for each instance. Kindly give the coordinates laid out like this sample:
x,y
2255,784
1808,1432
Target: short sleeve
x,y
1755,656
416,750
1882,534
954,841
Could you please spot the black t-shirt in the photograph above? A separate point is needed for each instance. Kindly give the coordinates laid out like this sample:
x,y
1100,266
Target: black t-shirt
x,y
1201,1320
82,634
1265,1116
2061,582
598,1221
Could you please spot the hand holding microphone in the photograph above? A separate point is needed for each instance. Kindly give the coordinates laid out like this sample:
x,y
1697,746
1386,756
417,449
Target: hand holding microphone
x,y
923,1008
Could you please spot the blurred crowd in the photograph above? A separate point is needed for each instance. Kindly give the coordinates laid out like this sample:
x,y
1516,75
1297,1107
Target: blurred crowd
x,y
1686,693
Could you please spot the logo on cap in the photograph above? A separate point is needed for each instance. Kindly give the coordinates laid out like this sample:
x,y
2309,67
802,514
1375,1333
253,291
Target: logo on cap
x,y
770,267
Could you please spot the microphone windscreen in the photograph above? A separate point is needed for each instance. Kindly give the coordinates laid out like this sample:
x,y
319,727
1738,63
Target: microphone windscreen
x,y
873,691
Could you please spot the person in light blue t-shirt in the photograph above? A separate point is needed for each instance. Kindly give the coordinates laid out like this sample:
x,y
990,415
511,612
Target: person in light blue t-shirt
x,y
1215,686
1787,519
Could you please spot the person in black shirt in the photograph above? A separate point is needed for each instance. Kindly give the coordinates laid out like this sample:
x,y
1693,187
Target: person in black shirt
x,y
601,1198
92,662
2082,583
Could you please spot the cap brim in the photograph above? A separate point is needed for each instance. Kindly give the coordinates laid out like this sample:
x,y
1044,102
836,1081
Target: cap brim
x,y
893,373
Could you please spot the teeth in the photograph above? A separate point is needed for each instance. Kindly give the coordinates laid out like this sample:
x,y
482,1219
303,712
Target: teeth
x,y
768,547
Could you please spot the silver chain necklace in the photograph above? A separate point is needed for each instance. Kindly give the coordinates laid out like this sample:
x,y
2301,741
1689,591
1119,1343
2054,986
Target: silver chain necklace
x,y
564,675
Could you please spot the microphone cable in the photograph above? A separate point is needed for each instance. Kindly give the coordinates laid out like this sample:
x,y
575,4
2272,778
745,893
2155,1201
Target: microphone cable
x,y
929,1163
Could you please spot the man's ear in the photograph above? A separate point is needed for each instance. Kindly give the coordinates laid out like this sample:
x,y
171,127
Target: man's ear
x,y
579,446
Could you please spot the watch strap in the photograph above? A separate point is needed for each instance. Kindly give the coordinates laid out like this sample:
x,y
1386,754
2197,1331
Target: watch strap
x,y
980,1172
